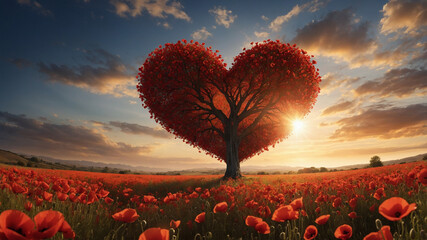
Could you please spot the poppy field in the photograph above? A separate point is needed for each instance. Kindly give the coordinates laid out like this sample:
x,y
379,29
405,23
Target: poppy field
x,y
376,203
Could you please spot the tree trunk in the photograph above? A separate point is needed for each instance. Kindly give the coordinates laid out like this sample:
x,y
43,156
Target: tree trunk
x,y
232,155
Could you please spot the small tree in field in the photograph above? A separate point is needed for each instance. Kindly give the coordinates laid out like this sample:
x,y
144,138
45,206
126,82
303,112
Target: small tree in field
x,y
375,162
231,114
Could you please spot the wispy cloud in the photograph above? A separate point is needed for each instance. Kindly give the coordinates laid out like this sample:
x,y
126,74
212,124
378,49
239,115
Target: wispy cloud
x,y
41,137
332,81
36,6
136,129
395,122
261,34
201,34
400,83
223,16
339,107
20,62
311,6
156,8
105,74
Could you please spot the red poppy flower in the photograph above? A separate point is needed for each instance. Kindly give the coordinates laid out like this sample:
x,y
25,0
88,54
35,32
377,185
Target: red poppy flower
x,y
221,207
352,215
200,218
353,203
343,232
284,213
127,215
47,223
383,234
28,206
67,231
174,224
155,234
322,219
15,224
61,196
252,221
310,232
262,227
47,196
396,208
16,188
422,176
108,200
297,204
337,202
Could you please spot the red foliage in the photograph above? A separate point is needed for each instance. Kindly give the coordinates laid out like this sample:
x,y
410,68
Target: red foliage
x,y
191,94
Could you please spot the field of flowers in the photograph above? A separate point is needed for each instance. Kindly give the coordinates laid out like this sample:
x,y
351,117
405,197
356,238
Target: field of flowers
x,y
377,203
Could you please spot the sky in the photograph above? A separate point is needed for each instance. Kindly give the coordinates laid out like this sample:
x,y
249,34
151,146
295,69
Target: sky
x,y
68,86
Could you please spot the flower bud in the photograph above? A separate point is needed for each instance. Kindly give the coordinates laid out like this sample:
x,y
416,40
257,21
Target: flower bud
x,y
198,236
412,233
282,236
379,224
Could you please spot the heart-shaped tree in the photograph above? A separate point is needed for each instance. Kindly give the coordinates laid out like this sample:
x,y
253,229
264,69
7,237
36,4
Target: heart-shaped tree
x,y
231,114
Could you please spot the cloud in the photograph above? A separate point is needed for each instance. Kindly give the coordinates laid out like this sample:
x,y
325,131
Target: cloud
x,y
223,16
20,62
331,81
339,107
372,150
312,6
201,34
132,128
105,74
406,15
23,134
396,82
36,6
264,18
336,35
396,122
156,8
262,34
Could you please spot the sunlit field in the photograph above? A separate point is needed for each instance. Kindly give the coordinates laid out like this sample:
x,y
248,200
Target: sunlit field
x,y
376,203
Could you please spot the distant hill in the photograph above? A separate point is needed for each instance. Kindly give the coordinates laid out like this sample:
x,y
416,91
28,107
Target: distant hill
x,y
10,158
385,163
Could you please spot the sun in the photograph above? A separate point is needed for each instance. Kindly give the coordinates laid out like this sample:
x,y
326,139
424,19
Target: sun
x,y
297,126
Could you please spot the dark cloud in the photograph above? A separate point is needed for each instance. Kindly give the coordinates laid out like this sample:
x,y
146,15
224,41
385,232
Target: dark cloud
x,y
338,35
133,128
396,82
396,122
106,74
339,107
20,62
23,134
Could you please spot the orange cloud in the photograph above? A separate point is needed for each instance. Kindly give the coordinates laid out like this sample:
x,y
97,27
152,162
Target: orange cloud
x,y
332,81
339,107
396,122
404,15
